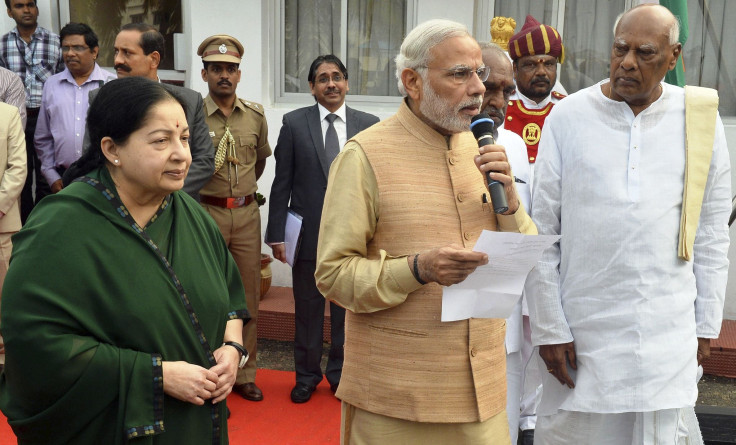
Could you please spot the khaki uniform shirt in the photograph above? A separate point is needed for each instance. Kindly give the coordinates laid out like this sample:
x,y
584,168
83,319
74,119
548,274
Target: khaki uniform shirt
x,y
248,126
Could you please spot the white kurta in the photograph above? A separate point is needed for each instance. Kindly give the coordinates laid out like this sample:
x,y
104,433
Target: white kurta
x,y
611,184
516,154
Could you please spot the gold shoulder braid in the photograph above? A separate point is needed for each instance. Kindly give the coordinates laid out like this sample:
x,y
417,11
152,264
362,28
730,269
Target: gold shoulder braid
x,y
226,151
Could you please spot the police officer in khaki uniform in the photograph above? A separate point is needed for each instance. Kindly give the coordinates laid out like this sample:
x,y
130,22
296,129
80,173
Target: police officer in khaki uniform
x,y
240,138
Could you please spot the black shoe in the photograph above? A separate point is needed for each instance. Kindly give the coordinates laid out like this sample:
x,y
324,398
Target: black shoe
x,y
248,391
301,393
526,437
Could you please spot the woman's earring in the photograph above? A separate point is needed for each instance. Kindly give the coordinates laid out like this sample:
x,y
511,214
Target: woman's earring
x,y
117,161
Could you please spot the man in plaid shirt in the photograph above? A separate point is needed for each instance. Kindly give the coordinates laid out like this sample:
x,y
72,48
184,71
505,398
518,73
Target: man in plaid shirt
x,y
34,54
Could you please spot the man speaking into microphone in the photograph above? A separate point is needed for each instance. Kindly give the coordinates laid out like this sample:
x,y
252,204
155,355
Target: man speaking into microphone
x,y
403,209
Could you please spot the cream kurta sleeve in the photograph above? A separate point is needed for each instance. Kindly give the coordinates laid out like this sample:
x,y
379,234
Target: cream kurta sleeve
x,y
344,274
14,171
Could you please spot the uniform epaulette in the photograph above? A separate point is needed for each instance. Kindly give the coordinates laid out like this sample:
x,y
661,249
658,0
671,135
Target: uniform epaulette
x,y
258,108
557,95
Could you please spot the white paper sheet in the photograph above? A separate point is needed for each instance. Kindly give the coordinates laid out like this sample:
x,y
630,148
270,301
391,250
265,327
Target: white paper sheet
x,y
491,291
292,236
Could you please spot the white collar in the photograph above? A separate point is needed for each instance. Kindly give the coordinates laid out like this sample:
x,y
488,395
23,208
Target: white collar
x,y
531,104
340,112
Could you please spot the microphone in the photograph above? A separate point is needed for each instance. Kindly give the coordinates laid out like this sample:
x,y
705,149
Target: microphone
x,y
482,127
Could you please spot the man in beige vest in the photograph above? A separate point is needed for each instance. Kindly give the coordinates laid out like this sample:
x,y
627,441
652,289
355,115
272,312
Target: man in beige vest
x,y
404,207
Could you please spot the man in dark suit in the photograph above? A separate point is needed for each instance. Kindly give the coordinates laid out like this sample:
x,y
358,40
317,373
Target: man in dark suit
x,y
139,49
309,140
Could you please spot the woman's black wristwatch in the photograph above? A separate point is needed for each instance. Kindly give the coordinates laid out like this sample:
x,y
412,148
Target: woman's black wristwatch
x,y
243,352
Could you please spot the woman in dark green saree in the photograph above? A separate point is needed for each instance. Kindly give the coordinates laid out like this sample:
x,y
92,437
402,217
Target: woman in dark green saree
x,y
122,305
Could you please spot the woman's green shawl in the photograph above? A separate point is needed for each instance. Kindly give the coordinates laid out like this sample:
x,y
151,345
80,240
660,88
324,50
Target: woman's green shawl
x,y
89,311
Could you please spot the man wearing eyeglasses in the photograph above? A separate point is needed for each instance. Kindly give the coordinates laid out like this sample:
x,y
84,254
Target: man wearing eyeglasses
x,y
535,51
34,54
406,202
60,130
309,140
634,174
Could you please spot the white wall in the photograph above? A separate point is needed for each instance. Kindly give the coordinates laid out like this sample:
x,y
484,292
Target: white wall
x,y
45,17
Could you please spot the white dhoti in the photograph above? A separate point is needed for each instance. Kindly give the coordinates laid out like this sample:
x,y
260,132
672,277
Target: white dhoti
x,y
513,392
664,427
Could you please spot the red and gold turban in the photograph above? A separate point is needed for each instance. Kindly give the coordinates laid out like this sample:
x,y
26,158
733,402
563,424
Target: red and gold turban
x,y
536,39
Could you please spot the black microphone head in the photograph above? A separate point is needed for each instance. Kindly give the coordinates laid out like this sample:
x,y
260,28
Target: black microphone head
x,y
481,124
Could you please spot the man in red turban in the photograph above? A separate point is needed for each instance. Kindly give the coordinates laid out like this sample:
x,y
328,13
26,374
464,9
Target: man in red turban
x,y
535,51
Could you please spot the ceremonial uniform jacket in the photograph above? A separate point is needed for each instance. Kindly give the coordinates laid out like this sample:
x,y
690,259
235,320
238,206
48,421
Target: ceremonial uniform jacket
x,y
526,118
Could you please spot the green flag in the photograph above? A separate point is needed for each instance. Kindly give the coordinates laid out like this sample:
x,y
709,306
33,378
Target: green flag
x,y
679,9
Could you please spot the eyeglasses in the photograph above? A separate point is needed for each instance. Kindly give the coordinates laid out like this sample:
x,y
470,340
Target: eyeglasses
x,y
326,79
75,48
461,74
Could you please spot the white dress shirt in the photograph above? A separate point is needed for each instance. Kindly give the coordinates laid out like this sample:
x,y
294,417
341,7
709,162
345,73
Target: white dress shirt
x,y
532,105
611,184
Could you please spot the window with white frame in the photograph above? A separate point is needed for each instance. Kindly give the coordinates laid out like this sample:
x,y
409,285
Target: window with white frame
x,y
106,17
366,35
587,33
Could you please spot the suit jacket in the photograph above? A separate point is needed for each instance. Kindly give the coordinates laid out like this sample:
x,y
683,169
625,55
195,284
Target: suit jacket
x,y
200,143
12,166
301,173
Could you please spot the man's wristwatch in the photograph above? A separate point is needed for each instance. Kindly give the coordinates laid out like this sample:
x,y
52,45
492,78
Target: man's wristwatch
x,y
243,352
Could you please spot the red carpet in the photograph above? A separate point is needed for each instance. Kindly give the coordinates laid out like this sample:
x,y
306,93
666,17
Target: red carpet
x,y
275,420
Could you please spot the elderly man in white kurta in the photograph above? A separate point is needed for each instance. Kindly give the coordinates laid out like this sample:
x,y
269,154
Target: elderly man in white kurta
x,y
622,320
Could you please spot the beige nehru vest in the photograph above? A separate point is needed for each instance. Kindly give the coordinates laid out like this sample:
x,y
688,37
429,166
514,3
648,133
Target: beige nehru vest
x,y
403,362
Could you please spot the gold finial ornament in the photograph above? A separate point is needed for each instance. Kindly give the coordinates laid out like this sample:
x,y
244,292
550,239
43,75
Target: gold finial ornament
x,y
502,28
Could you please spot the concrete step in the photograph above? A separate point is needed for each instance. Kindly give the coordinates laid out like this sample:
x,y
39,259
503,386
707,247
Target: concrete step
x,y
276,315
